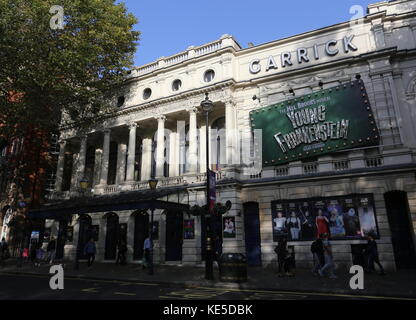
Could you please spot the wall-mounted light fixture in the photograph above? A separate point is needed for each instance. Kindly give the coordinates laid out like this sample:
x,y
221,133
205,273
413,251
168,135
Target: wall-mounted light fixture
x,y
292,92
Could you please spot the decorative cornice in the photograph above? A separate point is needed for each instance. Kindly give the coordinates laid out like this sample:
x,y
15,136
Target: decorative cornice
x,y
167,100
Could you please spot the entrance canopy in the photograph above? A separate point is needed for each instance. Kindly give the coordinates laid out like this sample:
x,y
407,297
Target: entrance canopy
x,y
123,201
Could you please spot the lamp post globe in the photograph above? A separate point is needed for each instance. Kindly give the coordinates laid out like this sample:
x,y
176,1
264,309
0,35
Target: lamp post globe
x,y
207,104
153,183
83,184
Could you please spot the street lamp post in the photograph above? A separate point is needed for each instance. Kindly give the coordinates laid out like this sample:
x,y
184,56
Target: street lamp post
x,y
152,184
83,184
207,106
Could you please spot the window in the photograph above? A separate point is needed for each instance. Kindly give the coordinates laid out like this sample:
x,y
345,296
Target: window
x,y
120,101
147,93
176,85
209,75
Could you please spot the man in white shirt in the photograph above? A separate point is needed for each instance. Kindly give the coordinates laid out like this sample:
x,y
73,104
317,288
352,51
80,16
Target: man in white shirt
x,y
147,246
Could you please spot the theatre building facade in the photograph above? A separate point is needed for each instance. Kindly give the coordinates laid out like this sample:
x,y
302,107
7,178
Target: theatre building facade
x,y
310,134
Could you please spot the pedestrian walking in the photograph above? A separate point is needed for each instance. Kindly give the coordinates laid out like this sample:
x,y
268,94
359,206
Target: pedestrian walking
x,y
4,252
25,255
372,255
317,249
40,256
147,246
121,255
51,249
283,257
217,249
329,260
90,250
32,249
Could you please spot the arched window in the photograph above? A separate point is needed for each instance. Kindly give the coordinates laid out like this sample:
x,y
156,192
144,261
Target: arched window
x,y
209,75
176,85
218,146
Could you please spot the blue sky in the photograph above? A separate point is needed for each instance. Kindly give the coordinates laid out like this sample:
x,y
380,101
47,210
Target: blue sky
x,y
169,27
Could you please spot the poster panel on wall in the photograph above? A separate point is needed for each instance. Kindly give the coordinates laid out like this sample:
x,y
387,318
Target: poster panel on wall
x,y
189,229
343,218
229,227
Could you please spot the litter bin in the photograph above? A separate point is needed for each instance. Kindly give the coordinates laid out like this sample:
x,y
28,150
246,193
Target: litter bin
x,y
233,268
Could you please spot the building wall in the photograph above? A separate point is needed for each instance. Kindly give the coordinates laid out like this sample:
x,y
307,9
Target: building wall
x,y
383,54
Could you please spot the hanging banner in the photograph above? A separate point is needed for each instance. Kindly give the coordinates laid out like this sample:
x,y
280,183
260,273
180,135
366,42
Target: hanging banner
x,y
212,190
319,123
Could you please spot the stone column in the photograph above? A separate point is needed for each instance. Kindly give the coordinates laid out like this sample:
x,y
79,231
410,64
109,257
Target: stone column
x,y
146,159
105,158
60,166
121,162
82,158
193,147
97,166
160,157
173,159
131,152
74,182
202,149
230,133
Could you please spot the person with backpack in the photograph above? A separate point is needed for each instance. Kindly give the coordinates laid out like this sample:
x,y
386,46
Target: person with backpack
x,y
317,249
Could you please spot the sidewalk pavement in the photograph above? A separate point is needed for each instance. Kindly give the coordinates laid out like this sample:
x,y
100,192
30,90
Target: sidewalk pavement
x,y
397,284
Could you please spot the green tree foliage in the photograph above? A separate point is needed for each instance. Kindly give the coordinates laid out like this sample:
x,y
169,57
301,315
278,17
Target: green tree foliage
x,y
45,72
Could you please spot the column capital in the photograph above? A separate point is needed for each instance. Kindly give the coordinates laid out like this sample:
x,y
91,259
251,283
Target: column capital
x,y
160,117
107,131
192,109
230,102
62,142
132,124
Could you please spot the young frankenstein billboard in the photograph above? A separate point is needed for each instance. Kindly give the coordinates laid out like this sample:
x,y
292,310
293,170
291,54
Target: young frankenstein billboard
x,y
333,119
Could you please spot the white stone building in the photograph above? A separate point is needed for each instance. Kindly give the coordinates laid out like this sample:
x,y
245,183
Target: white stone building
x,y
130,147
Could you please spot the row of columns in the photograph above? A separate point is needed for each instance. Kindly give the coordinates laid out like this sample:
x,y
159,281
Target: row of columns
x,y
146,162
